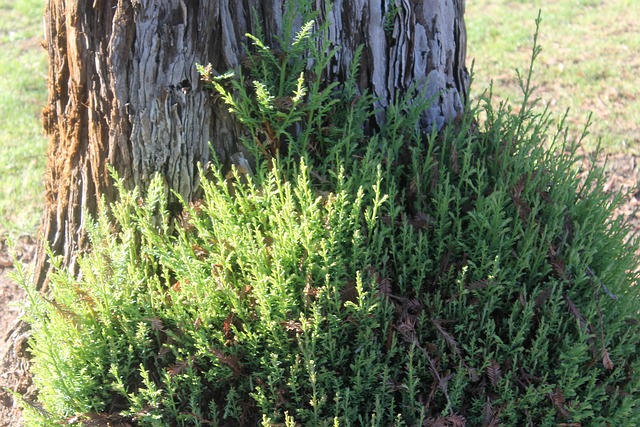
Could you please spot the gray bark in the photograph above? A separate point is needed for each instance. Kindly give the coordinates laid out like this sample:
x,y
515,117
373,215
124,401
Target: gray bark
x,y
407,42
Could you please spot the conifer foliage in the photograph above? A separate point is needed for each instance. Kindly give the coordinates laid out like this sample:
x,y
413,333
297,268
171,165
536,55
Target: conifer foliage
x,y
466,278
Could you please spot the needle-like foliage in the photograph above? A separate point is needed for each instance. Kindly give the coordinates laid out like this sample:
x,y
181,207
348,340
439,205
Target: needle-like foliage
x,y
468,277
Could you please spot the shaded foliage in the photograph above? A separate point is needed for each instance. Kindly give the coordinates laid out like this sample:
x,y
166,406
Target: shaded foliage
x,y
461,278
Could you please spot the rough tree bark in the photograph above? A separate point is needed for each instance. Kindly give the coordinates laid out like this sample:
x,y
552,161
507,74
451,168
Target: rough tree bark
x,y
123,88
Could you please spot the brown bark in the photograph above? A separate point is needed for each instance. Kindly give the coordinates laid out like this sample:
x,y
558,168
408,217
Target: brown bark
x,y
123,88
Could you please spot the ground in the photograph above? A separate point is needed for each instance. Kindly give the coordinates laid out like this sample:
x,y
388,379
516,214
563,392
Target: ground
x,y
13,370
623,172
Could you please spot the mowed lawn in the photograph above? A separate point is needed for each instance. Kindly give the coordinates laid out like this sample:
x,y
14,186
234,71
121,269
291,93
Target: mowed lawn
x,y
23,80
590,62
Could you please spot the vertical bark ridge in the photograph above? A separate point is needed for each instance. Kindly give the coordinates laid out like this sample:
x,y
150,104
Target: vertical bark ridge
x,y
408,44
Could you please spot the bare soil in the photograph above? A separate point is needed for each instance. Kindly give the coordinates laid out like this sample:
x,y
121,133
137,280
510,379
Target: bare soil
x,y
623,174
14,375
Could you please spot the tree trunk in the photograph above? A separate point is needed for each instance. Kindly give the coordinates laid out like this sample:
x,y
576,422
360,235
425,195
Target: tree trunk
x,y
124,91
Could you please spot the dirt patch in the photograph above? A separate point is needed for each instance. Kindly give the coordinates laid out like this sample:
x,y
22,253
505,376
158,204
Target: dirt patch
x,y
14,374
623,175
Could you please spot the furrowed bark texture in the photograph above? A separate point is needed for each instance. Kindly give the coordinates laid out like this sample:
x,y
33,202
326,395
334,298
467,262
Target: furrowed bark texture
x,y
123,88
407,43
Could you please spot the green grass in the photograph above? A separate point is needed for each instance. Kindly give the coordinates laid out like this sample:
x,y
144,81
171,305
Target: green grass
x,y
589,61
22,94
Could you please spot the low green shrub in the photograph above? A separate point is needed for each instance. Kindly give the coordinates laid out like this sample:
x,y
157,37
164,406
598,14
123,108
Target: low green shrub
x,y
472,277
